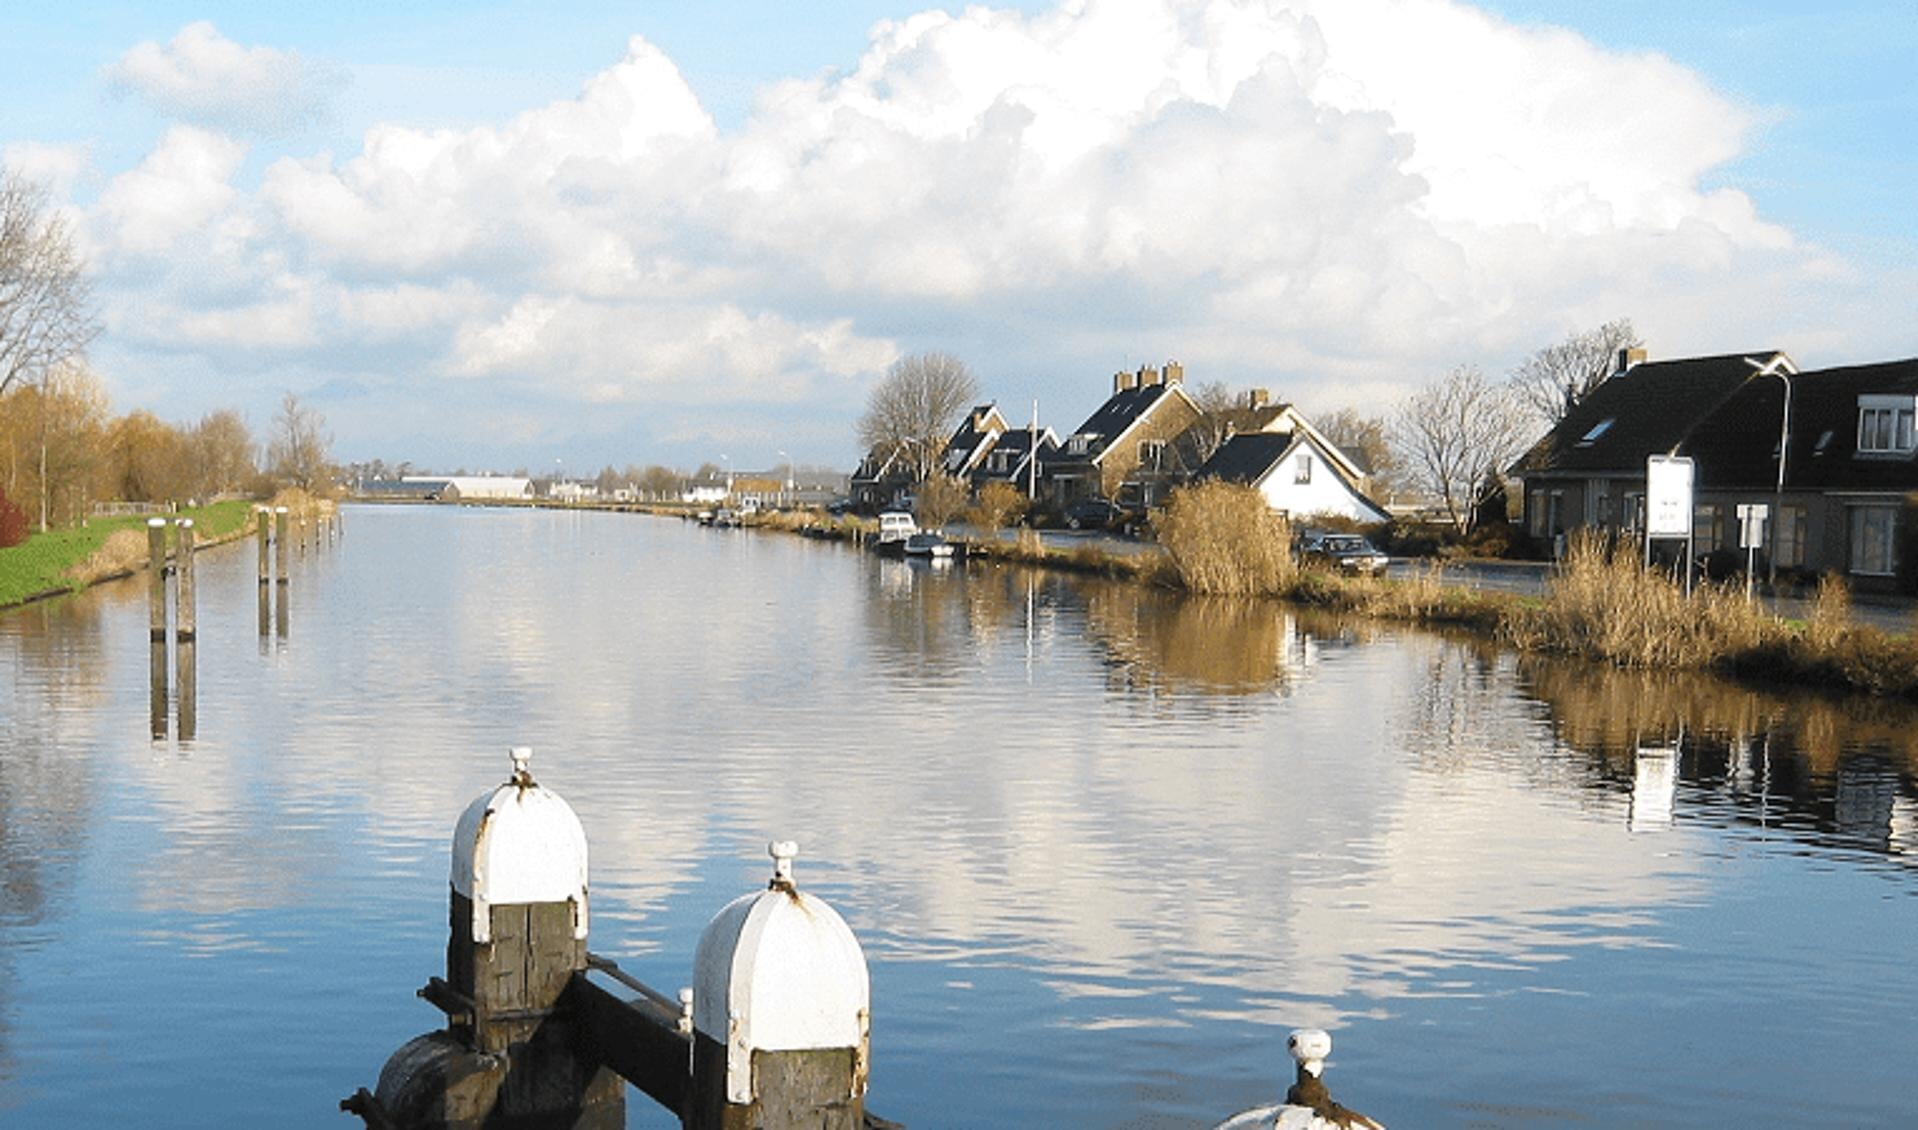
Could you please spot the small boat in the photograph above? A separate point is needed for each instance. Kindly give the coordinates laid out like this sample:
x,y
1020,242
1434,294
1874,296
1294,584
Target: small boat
x,y
929,544
895,527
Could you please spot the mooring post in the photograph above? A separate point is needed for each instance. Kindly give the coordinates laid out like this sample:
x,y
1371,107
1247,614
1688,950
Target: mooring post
x,y
511,1053
281,518
1308,1105
264,534
184,623
781,1013
156,627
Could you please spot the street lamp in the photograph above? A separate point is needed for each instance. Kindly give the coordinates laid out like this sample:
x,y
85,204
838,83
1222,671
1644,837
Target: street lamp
x,y
729,475
786,499
1779,366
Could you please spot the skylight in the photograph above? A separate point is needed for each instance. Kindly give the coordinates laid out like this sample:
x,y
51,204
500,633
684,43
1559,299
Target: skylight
x,y
1598,429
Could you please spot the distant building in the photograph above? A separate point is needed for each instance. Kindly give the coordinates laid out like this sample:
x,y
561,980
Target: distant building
x,y
1134,447
477,488
1297,472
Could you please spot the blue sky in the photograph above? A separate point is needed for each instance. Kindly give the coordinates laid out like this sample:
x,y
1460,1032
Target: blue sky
x,y
495,235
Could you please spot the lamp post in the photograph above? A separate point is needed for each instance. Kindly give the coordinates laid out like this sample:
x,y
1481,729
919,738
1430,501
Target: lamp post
x,y
786,498
1779,366
728,460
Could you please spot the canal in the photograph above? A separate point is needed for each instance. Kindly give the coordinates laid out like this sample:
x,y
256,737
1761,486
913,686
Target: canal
x,y
1103,845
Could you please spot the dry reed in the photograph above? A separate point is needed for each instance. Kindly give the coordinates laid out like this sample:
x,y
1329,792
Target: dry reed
x,y
123,552
1223,539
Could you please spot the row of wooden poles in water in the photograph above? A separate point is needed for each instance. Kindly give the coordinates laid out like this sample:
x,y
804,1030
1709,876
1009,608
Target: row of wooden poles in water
x,y
279,535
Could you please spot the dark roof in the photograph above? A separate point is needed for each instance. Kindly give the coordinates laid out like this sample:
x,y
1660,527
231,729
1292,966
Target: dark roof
x,y
1646,410
1737,445
1120,411
1247,457
1016,444
969,435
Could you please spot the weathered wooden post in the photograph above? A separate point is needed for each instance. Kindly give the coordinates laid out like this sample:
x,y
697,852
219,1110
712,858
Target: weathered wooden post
x,y
156,625
264,534
511,1053
184,623
281,519
781,1014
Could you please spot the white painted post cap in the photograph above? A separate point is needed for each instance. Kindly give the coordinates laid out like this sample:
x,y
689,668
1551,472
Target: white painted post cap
x,y
156,523
517,844
779,970
1310,1046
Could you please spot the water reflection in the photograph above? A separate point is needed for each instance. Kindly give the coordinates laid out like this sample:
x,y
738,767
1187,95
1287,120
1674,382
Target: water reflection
x,y
1095,822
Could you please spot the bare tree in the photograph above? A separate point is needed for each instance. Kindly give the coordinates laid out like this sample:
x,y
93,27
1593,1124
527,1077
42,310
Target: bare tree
x,y
914,408
941,498
44,297
1366,438
222,449
1214,425
1454,432
1554,380
301,447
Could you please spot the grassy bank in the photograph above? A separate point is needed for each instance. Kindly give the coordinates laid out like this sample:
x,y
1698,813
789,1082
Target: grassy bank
x,y
68,560
1600,604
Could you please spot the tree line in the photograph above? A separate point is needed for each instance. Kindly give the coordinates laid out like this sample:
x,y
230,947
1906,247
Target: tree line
x,y
62,448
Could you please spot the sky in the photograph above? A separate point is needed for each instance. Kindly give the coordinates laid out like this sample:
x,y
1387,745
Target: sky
x,y
503,236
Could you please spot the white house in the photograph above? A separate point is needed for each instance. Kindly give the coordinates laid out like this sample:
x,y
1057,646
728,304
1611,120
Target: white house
x,y
1296,472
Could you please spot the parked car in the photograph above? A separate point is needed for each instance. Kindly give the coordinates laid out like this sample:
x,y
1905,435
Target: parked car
x,y
1095,514
1347,553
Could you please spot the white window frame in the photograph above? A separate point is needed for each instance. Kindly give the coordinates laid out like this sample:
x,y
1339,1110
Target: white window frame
x,y
1302,468
1885,425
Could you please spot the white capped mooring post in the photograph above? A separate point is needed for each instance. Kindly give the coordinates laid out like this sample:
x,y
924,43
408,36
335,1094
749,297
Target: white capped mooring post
x,y
156,628
184,629
511,1054
781,1013
1308,1105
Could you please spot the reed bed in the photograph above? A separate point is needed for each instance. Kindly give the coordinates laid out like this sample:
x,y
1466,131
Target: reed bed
x,y
1223,540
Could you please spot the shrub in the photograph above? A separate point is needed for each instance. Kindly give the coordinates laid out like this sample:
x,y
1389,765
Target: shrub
x,y
1223,538
999,503
941,498
13,523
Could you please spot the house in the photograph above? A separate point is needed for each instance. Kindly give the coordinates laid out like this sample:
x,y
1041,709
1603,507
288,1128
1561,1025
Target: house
x,y
882,481
1844,503
1134,448
412,489
969,444
1588,472
1297,472
1010,459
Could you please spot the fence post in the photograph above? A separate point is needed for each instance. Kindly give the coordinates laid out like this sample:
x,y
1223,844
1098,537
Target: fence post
x,y
781,1013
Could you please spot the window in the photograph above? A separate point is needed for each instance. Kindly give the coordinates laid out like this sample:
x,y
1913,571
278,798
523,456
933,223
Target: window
x,y
1708,527
1598,429
1537,514
1872,552
1078,444
1791,537
1152,455
1634,515
1302,470
1884,424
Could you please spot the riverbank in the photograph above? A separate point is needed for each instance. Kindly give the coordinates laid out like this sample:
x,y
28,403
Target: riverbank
x,y
65,561
1598,604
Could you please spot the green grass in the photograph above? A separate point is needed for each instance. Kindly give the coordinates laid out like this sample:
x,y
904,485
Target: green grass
x,y
41,565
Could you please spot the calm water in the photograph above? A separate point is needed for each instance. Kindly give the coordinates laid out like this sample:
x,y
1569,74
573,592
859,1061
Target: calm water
x,y
1103,846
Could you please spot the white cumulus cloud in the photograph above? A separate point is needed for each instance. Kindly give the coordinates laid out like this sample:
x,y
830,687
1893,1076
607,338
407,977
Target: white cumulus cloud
x,y
202,76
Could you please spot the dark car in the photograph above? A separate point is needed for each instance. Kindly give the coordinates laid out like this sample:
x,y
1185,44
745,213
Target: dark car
x,y
1095,514
1347,553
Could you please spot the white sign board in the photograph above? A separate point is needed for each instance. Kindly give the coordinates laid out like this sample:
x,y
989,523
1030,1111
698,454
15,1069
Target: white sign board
x,y
1751,524
1668,497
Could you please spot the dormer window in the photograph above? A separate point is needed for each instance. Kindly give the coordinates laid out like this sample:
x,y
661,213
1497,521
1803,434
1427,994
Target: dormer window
x,y
1598,429
1885,425
1079,444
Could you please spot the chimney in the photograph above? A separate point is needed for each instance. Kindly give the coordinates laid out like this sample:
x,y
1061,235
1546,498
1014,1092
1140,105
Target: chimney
x,y
1629,357
1148,376
1121,381
1257,397
1174,373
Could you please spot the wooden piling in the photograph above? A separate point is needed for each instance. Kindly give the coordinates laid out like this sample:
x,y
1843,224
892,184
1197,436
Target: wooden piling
x,y
280,550
156,579
185,620
156,628
265,535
